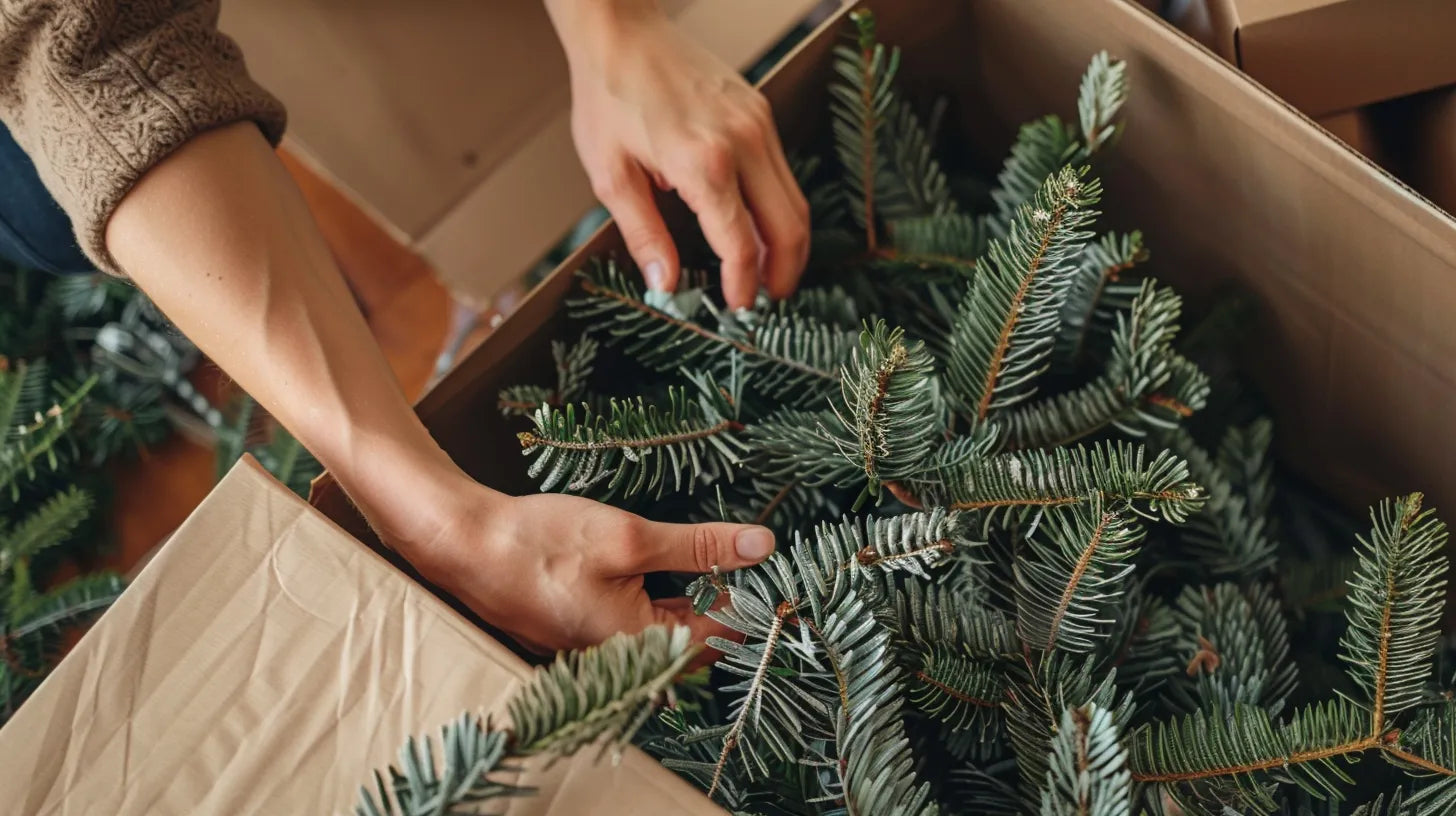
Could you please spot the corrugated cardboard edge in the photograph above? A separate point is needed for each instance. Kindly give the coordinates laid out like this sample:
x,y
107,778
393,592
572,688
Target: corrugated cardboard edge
x,y
265,662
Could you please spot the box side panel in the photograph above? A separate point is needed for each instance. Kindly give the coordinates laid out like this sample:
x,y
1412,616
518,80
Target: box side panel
x,y
1354,276
266,663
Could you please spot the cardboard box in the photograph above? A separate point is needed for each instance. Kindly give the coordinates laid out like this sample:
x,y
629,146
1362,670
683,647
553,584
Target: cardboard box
x,y
1433,169
265,662
1357,129
1326,56
1354,276
449,121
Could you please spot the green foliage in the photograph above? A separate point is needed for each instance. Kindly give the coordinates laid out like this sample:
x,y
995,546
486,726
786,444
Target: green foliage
x,y
574,364
1396,599
1006,325
1057,600
1073,565
889,400
639,448
602,693
1088,775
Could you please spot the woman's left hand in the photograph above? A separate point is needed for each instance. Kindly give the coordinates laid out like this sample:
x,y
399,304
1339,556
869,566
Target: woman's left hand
x,y
651,107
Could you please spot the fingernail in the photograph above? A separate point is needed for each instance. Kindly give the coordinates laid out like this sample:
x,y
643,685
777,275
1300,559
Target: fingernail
x,y
656,278
754,544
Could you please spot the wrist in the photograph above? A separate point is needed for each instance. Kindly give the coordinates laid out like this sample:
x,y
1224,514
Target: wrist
x,y
417,501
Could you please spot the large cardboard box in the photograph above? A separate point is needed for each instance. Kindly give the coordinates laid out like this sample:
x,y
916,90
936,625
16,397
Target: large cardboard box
x,y
449,120
1328,56
1352,274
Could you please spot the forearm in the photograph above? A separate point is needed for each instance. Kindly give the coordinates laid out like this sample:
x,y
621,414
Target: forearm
x,y
220,238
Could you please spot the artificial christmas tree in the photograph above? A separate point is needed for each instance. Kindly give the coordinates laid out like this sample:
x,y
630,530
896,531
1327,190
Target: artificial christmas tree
x,y
1061,602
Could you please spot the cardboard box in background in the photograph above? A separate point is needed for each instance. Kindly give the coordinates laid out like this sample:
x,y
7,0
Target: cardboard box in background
x,y
1356,128
1434,154
1353,275
449,121
266,662
1329,56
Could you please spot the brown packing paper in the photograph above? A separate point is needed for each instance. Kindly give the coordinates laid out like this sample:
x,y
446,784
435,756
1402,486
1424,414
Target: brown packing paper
x,y
1325,56
264,662
1354,276
449,120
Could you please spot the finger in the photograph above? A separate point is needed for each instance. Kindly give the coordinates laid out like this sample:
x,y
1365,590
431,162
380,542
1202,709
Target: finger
x,y
708,184
698,548
626,191
782,219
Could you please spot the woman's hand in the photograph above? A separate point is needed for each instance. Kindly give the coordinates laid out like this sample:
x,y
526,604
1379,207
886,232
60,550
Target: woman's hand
x,y
560,572
652,107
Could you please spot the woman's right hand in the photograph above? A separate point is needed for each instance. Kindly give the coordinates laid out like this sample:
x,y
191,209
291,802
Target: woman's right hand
x,y
561,572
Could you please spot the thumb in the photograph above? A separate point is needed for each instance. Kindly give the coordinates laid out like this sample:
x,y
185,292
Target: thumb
x,y
626,192
700,547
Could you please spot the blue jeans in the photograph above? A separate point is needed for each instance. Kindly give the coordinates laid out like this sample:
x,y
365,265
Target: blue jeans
x,y
34,232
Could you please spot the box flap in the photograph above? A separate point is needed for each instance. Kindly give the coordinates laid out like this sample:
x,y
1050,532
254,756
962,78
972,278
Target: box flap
x,y
1325,56
449,121
265,662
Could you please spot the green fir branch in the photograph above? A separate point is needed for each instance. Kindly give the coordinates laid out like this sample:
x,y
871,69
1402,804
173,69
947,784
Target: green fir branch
x,y
639,448
888,405
1226,537
1234,645
791,357
1133,395
1395,605
48,525
601,694
1067,476
1088,775
1076,564
860,104
1007,323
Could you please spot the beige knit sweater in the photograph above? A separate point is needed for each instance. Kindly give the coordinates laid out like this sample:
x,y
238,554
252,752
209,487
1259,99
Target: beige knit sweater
x,y
99,91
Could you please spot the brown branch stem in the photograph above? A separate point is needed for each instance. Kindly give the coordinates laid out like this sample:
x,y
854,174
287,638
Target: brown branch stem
x,y
530,440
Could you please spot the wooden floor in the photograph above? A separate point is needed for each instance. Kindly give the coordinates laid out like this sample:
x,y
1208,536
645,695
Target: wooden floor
x,y
408,310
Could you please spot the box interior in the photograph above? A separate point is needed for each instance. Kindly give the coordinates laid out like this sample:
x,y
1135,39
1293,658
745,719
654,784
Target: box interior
x,y
1350,271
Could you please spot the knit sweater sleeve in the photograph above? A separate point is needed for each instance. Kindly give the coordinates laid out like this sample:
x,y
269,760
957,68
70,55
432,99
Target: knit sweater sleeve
x,y
99,91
